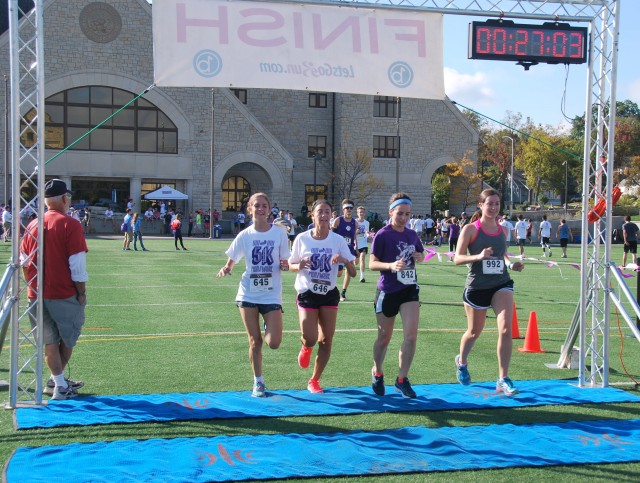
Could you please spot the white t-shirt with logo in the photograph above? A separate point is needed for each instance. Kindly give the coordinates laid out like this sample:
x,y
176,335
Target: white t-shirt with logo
x,y
261,282
322,276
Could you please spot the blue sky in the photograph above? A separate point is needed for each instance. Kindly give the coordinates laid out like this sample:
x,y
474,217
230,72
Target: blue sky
x,y
495,87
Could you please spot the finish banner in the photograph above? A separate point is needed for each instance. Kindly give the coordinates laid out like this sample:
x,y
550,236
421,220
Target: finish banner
x,y
328,48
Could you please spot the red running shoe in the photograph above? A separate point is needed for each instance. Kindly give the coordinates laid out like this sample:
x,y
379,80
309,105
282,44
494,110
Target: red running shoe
x,y
304,357
314,387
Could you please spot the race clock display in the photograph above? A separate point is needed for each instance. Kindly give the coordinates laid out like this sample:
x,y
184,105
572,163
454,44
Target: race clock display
x,y
551,43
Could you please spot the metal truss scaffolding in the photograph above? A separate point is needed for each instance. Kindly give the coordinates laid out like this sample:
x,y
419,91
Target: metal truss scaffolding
x,y
27,96
27,184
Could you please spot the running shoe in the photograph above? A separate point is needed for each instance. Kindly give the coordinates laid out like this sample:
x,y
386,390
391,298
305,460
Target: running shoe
x,y
49,387
259,390
62,393
304,357
313,386
362,280
405,388
377,383
549,251
505,386
462,373
343,296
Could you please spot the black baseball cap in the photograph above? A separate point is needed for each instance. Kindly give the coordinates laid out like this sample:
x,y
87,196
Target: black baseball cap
x,y
55,187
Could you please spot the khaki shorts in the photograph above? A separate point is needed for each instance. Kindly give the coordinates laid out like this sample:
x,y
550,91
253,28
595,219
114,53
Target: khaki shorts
x,y
62,319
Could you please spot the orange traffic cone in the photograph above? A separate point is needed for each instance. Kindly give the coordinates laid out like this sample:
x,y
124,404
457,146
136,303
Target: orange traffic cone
x,y
515,330
532,339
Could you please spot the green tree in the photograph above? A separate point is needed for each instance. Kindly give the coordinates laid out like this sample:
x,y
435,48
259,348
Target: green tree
x,y
440,188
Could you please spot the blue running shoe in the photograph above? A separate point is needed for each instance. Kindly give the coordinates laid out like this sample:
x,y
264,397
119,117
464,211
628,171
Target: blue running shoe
x,y
505,386
462,373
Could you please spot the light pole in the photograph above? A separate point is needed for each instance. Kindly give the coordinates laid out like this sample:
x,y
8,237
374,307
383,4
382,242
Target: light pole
x,y
211,178
566,186
6,138
511,187
316,158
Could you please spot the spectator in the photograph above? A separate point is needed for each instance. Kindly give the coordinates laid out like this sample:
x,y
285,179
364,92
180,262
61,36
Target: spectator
x,y
6,223
127,230
137,233
176,227
64,285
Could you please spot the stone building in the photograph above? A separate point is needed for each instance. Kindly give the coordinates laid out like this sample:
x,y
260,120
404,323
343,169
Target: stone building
x,y
99,57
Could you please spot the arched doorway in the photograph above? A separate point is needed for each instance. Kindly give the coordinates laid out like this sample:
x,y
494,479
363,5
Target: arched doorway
x,y
440,191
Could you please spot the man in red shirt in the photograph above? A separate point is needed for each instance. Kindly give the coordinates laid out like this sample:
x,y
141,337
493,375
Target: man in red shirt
x,y
63,284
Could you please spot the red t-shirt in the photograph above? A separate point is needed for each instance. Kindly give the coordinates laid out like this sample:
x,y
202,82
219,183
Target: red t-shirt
x,y
63,237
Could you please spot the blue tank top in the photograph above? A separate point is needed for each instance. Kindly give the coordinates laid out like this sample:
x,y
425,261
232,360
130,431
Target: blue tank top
x,y
483,274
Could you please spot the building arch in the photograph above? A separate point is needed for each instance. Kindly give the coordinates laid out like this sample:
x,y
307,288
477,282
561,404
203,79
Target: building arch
x,y
260,171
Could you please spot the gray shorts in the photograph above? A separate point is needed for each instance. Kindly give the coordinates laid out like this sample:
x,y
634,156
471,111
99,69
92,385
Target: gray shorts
x,y
62,319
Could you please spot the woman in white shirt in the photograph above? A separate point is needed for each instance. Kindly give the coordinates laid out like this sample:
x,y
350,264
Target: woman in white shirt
x,y
316,255
265,249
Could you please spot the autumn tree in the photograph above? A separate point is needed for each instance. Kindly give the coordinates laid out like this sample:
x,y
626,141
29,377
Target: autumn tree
x,y
466,176
352,176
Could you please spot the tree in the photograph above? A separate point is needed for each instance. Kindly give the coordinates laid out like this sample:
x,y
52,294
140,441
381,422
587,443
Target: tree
x,y
353,178
466,175
541,159
440,188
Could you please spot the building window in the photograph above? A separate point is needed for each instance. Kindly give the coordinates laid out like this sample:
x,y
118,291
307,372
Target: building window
x,y
235,191
71,114
317,145
321,193
386,147
317,99
386,106
241,94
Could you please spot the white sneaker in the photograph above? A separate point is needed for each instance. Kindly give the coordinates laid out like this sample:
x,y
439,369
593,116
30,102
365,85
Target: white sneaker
x,y
259,390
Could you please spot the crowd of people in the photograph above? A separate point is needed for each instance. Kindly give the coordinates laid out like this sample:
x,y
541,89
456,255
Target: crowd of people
x,y
333,246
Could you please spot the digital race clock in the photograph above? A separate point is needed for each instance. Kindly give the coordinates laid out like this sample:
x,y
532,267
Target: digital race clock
x,y
552,43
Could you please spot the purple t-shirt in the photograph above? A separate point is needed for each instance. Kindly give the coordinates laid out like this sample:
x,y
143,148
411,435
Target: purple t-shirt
x,y
390,245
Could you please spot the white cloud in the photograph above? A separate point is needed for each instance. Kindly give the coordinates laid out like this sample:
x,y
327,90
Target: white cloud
x,y
469,89
632,91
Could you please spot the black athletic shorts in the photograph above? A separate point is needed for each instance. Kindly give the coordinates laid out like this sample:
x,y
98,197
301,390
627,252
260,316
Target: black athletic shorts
x,y
389,303
481,299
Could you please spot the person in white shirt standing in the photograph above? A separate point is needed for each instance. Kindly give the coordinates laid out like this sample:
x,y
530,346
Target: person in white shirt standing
x,y
6,223
362,239
506,223
428,225
521,233
545,235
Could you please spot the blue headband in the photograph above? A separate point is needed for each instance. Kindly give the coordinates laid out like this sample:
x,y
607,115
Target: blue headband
x,y
401,201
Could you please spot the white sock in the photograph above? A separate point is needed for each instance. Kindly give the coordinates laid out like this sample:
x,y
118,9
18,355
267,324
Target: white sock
x,y
257,379
59,380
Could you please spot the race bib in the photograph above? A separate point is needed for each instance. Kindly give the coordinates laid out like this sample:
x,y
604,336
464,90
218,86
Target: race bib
x,y
407,276
321,287
493,267
260,283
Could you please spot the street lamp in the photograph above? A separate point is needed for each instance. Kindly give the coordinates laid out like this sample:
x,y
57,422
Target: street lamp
x,y
316,158
566,186
511,187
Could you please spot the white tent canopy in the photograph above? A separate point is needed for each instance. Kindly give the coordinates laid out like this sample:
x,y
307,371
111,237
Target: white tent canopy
x,y
166,193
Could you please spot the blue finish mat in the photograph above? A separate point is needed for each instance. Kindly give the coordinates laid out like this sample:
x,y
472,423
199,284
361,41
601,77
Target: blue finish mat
x,y
138,408
406,450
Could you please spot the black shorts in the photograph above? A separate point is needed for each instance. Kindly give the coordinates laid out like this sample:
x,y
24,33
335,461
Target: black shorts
x,y
521,242
262,308
631,247
481,299
564,242
546,240
363,250
310,300
388,304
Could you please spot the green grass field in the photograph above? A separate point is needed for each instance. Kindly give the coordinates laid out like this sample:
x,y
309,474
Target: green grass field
x,y
159,321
